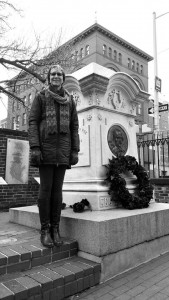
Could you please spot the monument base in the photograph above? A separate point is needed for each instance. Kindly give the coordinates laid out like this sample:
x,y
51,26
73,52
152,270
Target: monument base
x,y
120,239
95,191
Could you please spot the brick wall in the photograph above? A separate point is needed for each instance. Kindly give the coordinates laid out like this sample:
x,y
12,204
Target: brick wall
x,y
161,189
14,195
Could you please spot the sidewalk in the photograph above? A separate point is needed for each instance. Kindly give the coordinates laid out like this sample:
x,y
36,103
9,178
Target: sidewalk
x,y
11,233
148,281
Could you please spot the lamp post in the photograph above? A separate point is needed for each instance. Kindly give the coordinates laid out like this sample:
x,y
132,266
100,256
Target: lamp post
x,y
156,102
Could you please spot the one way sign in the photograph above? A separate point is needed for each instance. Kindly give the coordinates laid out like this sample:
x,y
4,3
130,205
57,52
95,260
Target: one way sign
x,y
161,108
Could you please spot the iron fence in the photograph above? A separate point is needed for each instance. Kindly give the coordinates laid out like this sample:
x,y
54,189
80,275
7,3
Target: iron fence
x,y
153,153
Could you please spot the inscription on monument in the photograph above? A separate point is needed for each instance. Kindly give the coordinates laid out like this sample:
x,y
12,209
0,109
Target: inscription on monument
x,y
17,161
105,202
84,154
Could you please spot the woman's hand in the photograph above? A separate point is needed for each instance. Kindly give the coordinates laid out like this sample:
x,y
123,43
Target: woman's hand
x,y
74,158
36,157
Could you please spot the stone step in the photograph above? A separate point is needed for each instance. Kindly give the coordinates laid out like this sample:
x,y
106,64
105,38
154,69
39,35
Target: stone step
x,y
52,281
31,253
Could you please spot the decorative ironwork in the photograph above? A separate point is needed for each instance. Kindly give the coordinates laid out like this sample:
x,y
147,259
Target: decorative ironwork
x,y
148,144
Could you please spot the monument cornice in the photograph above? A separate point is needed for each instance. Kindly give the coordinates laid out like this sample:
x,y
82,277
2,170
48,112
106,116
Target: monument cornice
x,y
99,107
93,81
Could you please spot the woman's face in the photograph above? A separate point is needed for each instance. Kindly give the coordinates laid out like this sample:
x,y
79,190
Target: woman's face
x,y
56,77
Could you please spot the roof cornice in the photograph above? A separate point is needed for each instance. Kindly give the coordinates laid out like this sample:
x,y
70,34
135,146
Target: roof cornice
x,y
112,36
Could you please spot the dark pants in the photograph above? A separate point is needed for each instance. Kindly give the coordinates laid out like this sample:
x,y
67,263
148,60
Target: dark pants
x,y
50,194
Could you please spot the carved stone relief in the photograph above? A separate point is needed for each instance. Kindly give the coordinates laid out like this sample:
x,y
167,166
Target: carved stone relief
x,y
117,140
116,99
76,98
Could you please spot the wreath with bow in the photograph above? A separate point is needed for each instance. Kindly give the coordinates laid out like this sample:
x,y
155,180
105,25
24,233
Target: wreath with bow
x,y
117,184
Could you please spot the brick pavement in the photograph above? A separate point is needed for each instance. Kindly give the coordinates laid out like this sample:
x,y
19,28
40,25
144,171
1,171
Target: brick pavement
x,y
147,281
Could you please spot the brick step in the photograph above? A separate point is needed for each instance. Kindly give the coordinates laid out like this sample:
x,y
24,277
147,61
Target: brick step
x,y
31,253
51,281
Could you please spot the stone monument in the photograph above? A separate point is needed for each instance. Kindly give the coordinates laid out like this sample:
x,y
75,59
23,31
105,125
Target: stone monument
x,y
106,104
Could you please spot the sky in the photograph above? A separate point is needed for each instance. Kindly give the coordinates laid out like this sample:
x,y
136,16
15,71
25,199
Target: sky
x,y
131,20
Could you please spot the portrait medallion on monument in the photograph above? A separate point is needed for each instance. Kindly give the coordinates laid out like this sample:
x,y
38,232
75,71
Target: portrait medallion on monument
x,y
117,140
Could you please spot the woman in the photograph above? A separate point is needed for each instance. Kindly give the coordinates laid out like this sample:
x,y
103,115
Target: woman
x,y
54,144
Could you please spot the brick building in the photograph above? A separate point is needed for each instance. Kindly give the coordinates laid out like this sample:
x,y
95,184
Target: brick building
x,y
95,44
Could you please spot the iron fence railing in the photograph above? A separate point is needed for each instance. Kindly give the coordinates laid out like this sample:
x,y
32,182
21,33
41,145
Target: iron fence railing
x,y
153,153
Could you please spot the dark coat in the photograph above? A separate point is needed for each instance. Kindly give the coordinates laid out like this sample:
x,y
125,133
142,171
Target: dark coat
x,y
55,148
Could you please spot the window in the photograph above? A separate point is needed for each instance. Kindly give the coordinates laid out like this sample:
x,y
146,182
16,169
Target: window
x,y
13,105
133,65
129,63
17,122
18,105
137,67
110,52
105,50
139,110
24,119
115,55
29,99
13,123
141,69
24,100
87,50
120,58
81,53
76,55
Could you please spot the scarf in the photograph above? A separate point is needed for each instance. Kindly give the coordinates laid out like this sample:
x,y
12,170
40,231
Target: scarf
x,y
51,116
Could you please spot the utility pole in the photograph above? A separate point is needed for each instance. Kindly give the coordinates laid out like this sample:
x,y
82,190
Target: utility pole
x,y
157,88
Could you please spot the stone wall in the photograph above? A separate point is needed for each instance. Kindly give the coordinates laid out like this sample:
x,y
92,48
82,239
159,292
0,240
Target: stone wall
x,y
14,195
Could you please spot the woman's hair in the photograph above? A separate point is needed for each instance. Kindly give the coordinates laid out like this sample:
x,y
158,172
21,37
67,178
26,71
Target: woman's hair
x,y
55,66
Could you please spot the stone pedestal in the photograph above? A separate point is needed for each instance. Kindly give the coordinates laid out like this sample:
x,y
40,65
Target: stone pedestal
x,y
106,103
120,239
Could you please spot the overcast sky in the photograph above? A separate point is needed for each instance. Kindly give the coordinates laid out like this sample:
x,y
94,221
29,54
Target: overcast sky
x,y
132,20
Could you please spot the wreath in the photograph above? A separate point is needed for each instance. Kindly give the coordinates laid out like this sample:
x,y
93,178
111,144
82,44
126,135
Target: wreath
x,y
117,184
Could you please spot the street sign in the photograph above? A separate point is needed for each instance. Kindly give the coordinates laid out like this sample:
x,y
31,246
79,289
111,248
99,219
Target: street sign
x,y
158,84
161,108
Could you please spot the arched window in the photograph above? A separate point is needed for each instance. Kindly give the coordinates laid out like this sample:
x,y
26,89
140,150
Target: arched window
x,y
120,58
17,122
29,99
18,105
81,53
139,109
24,99
76,55
133,65
115,55
87,50
129,63
141,69
13,105
24,119
110,52
137,67
13,123
104,50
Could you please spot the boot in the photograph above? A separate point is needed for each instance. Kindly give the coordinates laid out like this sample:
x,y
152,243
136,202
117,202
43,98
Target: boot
x,y
56,236
46,239
44,215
